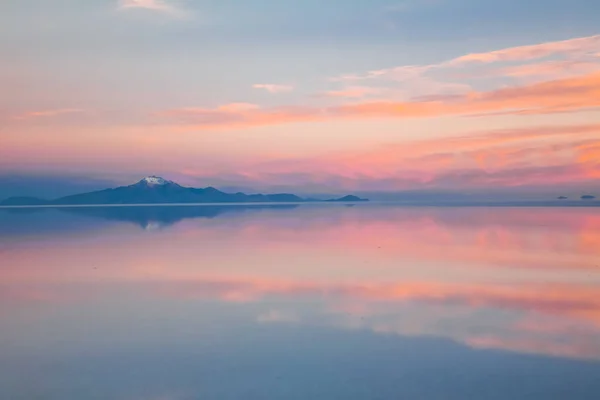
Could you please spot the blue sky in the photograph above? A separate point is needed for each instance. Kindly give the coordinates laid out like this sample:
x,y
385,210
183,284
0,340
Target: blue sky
x,y
100,77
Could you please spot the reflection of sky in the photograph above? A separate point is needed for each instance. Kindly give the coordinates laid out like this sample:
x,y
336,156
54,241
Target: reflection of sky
x,y
284,298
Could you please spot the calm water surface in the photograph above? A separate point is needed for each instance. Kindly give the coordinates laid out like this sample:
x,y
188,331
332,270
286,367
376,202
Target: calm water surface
x,y
300,302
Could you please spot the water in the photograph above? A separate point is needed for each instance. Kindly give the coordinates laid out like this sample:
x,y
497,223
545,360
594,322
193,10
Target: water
x,y
300,302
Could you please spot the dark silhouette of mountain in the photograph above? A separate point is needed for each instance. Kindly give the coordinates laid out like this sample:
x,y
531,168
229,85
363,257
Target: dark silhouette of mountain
x,y
156,190
349,198
588,197
562,197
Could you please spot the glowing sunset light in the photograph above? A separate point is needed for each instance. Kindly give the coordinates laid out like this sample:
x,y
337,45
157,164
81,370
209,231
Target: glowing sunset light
x,y
504,113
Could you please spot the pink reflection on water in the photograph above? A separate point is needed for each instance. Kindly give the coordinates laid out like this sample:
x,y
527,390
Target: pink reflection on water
x,y
407,271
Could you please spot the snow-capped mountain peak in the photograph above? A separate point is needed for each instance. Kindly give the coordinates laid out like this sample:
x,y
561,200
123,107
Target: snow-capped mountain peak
x,y
155,180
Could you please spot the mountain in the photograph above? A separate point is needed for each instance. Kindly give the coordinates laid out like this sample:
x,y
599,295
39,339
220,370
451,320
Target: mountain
x,y
348,199
588,197
156,190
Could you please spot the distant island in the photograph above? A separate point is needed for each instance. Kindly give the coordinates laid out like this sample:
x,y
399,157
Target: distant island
x,y
156,190
584,197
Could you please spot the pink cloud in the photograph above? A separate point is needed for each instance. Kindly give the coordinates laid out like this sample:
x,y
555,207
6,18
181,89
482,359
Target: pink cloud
x,y
552,68
354,92
161,6
570,57
562,95
543,156
47,113
273,88
571,48
568,47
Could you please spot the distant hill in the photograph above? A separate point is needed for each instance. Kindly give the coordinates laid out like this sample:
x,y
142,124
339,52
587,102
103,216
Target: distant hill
x,y
349,198
156,190
588,197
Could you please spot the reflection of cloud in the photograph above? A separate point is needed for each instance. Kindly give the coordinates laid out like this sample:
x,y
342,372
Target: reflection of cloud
x,y
435,311
557,320
574,300
507,278
278,316
558,347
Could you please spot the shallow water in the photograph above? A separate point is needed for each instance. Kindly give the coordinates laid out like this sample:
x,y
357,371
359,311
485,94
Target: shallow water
x,y
299,302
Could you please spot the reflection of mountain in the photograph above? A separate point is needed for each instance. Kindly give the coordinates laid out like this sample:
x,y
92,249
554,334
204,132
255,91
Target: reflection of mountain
x,y
149,217
33,221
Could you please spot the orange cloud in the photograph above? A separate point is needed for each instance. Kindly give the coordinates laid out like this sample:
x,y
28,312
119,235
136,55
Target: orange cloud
x,y
570,94
353,92
48,113
227,116
492,142
543,155
551,68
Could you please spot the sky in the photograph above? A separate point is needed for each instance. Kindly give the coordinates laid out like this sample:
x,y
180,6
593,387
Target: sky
x,y
304,96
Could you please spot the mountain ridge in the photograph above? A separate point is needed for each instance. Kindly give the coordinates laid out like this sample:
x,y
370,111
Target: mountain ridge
x,y
156,190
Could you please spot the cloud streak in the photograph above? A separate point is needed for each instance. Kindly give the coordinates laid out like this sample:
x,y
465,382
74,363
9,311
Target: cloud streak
x,y
160,6
273,88
535,156
586,47
571,47
522,64
47,113
563,95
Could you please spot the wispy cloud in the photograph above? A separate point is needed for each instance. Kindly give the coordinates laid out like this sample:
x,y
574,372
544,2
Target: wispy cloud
x,y
161,6
47,113
278,316
557,96
273,88
521,65
354,92
573,49
542,155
